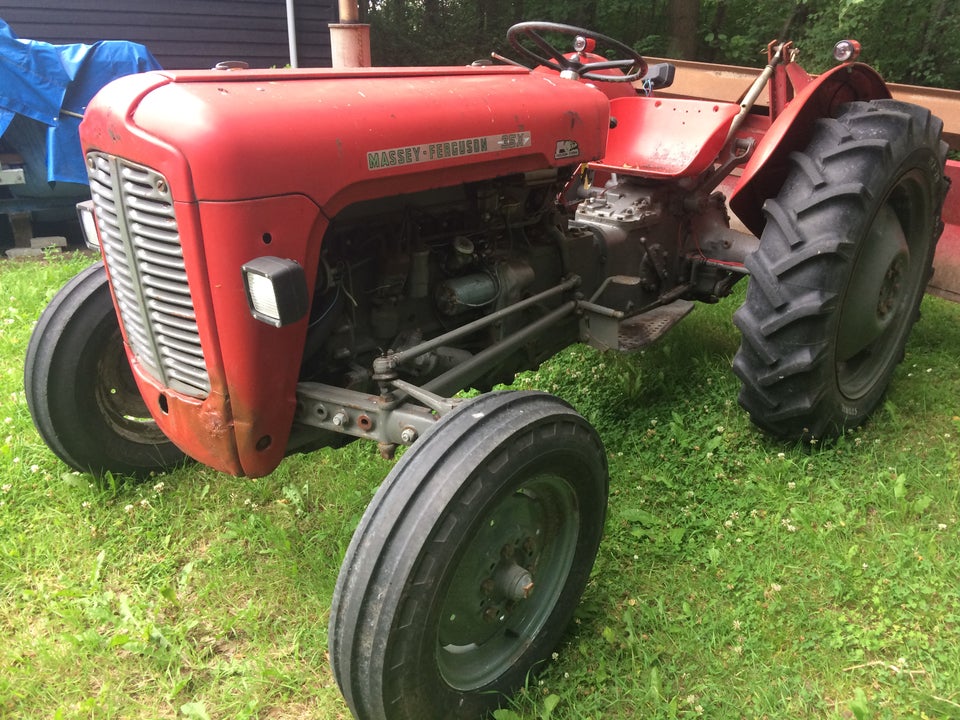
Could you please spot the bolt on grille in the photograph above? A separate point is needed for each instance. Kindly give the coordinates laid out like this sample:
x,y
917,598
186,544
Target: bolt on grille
x,y
141,246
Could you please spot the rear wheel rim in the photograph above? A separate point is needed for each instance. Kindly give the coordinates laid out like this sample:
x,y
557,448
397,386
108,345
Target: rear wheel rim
x,y
886,280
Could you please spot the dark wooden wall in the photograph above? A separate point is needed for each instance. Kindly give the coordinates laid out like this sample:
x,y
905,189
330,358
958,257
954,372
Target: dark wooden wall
x,y
183,34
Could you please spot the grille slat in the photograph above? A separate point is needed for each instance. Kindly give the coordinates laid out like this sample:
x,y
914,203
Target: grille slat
x,y
183,331
159,260
173,314
167,284
172,304
141,246
180,348
162,235
148,211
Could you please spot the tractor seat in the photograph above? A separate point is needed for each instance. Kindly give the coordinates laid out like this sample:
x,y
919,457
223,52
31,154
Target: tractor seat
x,y
664,137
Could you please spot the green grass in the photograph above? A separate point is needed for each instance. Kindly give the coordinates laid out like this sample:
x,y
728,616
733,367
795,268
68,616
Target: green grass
x,y
739,577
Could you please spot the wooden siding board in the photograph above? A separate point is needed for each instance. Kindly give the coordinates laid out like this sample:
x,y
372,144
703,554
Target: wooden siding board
x,y
184,33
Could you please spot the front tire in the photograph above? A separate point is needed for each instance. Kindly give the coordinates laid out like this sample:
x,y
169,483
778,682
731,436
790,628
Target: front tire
x,y
80,390
844,258
467,566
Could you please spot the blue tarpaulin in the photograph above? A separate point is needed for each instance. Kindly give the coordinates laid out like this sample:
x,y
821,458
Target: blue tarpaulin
x,y
52,84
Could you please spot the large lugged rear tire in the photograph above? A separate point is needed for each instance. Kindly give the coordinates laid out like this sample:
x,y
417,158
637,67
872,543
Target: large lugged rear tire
x,y
844,259
467,566
80,390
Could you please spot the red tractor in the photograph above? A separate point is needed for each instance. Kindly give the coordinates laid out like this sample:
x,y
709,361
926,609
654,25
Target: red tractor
x,y
297,258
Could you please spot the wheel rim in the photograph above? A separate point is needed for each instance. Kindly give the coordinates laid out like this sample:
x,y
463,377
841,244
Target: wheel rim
x,y
886,280
508,581
120,403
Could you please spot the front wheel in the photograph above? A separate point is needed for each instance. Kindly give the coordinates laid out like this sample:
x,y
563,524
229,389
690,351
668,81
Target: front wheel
x,y
844,258
469,562
80,390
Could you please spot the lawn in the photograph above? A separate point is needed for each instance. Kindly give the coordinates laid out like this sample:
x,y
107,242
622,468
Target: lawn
x,y
739,577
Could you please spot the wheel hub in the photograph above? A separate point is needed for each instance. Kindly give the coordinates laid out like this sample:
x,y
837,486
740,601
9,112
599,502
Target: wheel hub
x,y
120,403
875,292
892,285
507,582
514,582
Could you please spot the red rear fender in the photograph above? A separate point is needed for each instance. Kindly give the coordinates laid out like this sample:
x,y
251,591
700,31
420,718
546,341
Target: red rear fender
x,y
765,172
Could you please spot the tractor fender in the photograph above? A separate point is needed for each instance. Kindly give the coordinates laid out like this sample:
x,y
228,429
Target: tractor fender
x,y
766,170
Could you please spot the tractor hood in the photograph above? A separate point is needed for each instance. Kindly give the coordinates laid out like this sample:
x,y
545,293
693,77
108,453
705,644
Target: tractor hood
x,y
342,136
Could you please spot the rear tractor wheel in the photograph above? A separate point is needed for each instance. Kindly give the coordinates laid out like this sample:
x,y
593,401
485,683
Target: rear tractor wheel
x,y
844,258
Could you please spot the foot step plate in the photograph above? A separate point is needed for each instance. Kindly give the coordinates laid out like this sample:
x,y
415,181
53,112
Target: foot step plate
x,y
633,333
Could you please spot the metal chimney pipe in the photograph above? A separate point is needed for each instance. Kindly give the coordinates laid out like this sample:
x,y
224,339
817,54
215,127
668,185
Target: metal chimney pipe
x,y
350,39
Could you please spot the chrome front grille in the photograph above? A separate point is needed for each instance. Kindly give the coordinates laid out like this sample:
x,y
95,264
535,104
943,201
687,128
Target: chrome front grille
x,y
141,246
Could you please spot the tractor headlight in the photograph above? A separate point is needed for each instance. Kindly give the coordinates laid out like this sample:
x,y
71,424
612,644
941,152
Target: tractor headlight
x,y
88,223
583,44
846,51
276,290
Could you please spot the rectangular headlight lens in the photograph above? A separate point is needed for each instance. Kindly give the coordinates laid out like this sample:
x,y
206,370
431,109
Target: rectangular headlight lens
x,y
262,296
276,290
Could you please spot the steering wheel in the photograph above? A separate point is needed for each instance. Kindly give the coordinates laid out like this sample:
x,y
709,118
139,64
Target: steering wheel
x,y
584,45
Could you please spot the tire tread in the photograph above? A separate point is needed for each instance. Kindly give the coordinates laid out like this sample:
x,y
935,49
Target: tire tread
x,y
797,275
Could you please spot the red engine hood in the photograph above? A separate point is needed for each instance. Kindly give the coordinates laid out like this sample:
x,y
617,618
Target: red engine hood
x,y
341,136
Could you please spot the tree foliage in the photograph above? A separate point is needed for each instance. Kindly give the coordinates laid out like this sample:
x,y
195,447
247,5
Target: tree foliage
x,y
909,41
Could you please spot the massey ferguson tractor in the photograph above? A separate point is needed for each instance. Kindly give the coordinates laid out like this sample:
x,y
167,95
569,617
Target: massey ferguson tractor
x,y
298,258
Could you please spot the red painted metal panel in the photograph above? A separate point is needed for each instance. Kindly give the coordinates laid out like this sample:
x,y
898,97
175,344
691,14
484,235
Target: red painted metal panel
x,y
243,425
665,138
728,82
396,131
